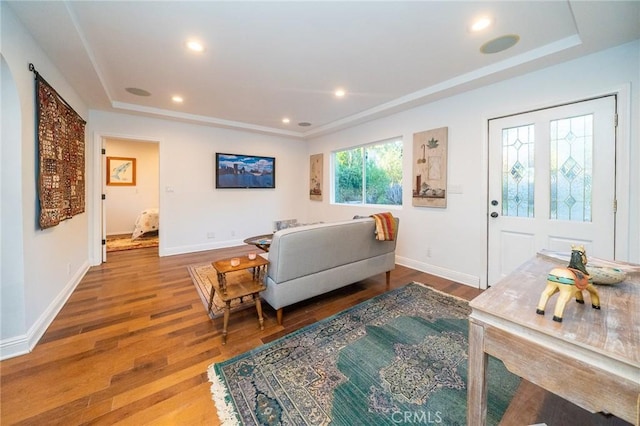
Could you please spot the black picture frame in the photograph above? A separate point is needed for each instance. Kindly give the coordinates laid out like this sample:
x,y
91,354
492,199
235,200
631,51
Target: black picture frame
x,y
245,171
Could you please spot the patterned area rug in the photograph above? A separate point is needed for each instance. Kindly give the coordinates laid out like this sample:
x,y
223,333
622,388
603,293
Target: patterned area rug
x,y
124,242
398,358
202,277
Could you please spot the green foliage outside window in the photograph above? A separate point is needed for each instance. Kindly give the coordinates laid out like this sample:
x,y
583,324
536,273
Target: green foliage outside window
x,y
369,175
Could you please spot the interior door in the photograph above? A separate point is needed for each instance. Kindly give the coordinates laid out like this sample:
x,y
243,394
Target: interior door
x,y
551,183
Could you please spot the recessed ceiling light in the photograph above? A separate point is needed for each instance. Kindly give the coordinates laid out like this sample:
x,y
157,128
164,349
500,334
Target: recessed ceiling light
x,y
195,45
499,44
286,120
340,93
177,99
481,23
304,124
138,92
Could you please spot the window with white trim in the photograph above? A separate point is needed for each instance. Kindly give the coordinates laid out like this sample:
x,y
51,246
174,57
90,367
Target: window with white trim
x,y
369,174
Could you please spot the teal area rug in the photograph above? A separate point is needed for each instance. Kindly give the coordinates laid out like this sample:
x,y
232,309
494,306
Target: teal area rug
x,y
399,358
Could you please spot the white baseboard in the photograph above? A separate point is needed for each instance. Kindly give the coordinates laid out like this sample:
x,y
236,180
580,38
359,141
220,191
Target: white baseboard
x,y
129,232
164,251
14,346
20,345
449,274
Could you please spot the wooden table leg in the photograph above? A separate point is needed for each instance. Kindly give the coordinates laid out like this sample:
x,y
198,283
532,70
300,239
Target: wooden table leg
x,y
258,273
256,297
222,282
227,308
213,292
477,377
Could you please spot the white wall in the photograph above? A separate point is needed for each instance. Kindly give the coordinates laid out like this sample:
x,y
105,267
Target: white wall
x,y
124,203
190,205
456,237
47,264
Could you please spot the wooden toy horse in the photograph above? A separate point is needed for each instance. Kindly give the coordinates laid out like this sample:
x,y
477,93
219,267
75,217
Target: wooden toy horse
x,y
569,281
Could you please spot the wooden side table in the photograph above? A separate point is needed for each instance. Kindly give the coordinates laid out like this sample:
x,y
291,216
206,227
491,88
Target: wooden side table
x,y
263,242
249,283
592,358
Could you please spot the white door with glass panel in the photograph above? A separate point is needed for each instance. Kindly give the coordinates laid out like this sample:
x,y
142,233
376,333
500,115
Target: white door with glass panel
x,y
551,183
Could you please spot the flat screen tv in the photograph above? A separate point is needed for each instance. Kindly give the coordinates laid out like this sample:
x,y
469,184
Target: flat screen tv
x,y
245,171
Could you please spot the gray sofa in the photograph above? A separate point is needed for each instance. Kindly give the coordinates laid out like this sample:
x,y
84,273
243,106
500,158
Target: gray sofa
x,y
311,260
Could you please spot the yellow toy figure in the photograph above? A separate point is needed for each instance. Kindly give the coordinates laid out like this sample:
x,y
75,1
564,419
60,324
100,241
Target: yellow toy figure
x,y
569,281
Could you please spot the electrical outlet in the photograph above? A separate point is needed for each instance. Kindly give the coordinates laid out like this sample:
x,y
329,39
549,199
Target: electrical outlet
x,y
211,235
233,233
428,251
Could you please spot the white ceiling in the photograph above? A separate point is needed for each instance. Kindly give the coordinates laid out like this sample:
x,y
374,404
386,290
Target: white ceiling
x,y
267,60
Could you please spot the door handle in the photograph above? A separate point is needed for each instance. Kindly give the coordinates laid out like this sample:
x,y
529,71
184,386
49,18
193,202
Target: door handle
x,y
494,214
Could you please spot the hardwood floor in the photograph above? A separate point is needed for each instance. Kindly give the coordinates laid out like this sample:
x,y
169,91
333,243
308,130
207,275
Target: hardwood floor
x,y
132,345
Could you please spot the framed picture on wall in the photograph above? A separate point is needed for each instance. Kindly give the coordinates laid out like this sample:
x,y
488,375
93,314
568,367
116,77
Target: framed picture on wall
x,y
121,171
430,168
315,177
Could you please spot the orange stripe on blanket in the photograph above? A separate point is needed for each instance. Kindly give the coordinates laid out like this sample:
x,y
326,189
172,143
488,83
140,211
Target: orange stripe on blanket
x,y
385,226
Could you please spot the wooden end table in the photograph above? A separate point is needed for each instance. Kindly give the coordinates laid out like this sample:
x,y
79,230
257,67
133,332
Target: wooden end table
x,y
263,242
248,283
591,358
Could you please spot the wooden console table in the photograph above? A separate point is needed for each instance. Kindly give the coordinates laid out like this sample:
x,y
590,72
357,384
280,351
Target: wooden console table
x,y
592,358
244,285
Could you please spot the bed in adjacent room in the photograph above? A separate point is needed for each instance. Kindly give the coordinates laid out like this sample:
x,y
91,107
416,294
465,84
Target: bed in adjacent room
x,y
147,222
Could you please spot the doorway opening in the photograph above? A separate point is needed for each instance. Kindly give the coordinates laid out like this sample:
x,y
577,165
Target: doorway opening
x,y
131,188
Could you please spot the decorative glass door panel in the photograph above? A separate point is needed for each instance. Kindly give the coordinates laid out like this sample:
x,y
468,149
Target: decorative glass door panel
x,y
571,168
517,171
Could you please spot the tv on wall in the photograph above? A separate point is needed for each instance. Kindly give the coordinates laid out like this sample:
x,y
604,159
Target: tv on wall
x,y
245,171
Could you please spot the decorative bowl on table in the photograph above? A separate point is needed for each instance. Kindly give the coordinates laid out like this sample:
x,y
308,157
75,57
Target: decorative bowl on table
x,y
606,275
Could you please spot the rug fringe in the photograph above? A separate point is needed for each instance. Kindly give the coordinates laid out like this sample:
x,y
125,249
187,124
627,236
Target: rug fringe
x,y
222,399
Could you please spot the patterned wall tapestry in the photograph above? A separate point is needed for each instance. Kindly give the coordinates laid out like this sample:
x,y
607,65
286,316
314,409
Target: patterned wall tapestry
x,y
61,183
